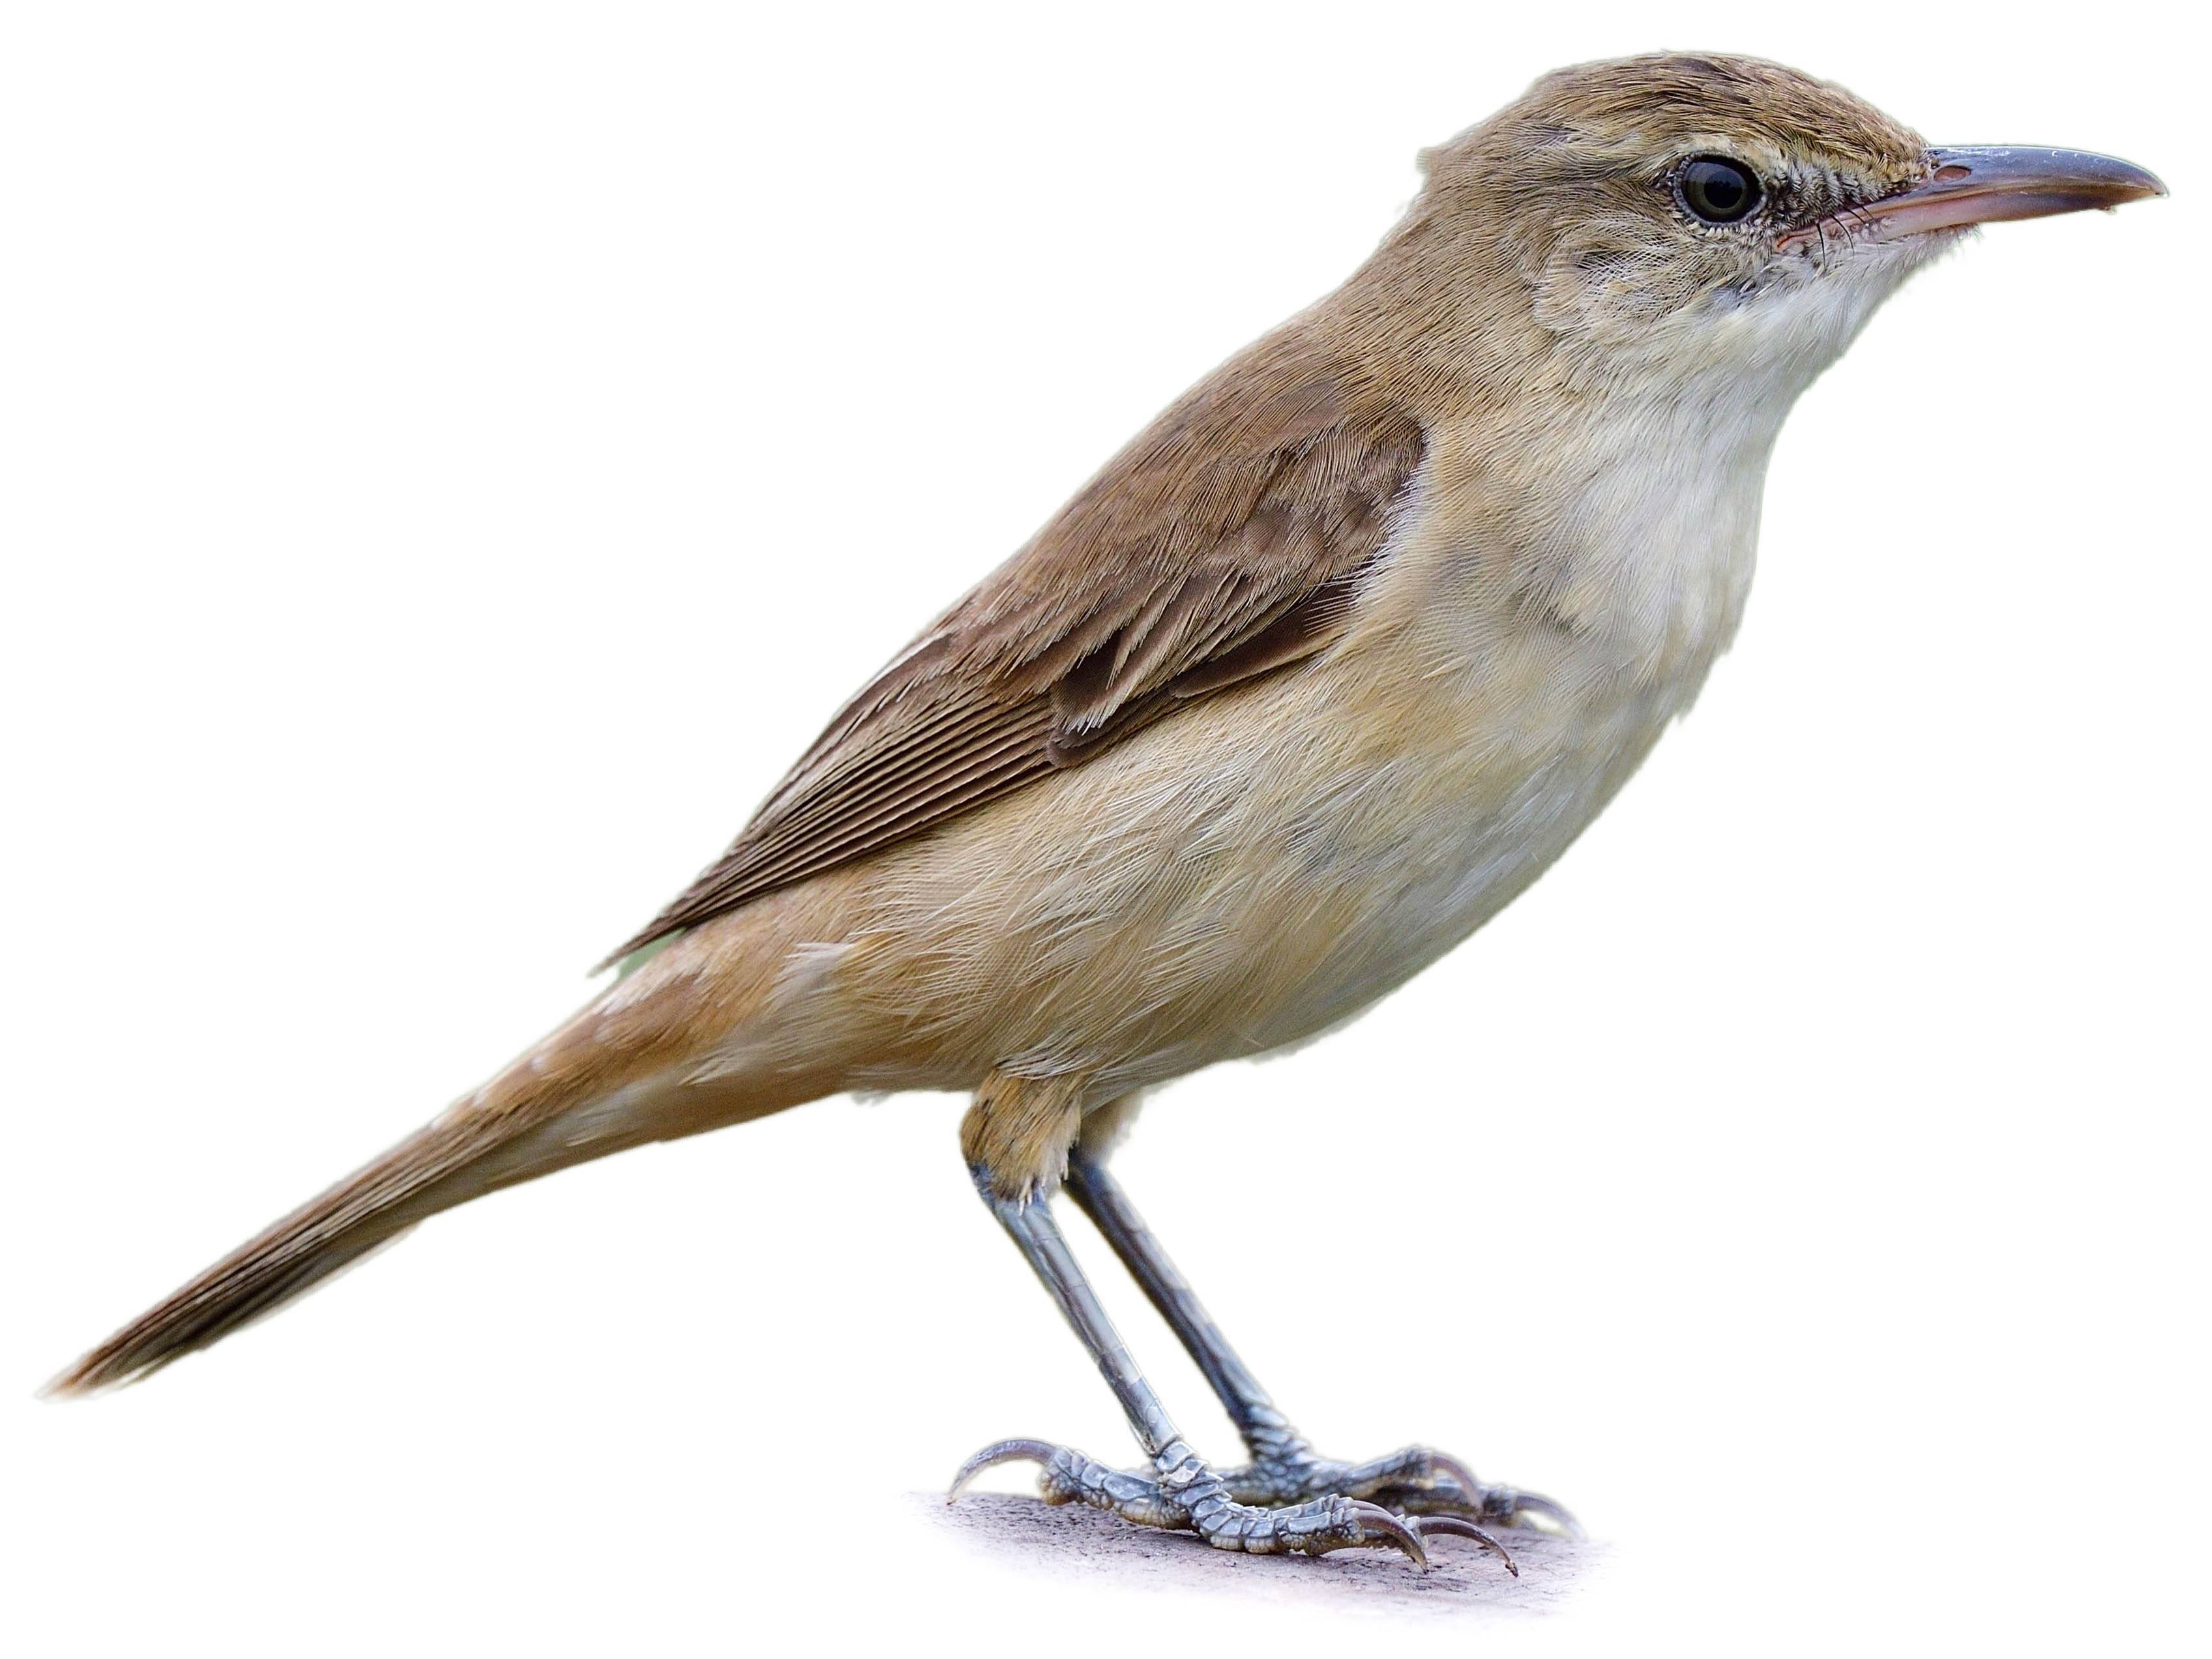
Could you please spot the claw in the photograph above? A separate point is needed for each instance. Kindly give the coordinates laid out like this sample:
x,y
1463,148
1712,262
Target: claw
x,y
1505,1503
1535,1503
1444,1464
1459,1527
1003,1451
1373,1518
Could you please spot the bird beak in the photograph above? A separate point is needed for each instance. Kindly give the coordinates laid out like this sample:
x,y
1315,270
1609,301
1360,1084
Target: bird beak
x,y
1978,185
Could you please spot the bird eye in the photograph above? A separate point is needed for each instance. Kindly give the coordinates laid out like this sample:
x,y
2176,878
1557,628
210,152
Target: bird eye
x,y
1718,191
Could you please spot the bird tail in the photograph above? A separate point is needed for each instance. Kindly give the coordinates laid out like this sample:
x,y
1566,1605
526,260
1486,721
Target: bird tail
x,y
617,1076
439,1166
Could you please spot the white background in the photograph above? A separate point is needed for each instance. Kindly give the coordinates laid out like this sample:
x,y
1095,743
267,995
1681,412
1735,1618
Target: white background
x,y
455,456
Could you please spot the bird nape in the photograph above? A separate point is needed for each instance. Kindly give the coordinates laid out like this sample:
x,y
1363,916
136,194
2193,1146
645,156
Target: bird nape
x,y
1327,666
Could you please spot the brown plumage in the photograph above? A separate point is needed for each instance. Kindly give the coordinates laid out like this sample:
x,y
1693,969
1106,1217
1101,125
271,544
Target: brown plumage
x,y
1226,542
1328,666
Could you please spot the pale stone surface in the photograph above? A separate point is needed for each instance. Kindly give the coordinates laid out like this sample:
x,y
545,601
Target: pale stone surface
x,y
1075,1541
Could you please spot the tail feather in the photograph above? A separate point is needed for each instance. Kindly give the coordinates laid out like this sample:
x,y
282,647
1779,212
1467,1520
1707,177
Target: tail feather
x,y
631,1067
429,1171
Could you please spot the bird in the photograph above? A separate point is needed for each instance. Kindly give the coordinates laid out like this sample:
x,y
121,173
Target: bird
x,y
1325,667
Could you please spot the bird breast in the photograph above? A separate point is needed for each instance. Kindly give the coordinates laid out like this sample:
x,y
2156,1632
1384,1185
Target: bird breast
x,y
1271,861
1544,612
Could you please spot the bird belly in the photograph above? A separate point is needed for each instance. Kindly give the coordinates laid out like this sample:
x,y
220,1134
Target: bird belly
x,y
1400,884
1245,875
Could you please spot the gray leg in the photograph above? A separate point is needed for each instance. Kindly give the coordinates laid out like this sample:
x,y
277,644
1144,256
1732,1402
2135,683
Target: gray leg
x,y
1284,1467
1180,1493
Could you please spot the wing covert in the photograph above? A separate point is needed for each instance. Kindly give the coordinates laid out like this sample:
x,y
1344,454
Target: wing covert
x,y
1228,540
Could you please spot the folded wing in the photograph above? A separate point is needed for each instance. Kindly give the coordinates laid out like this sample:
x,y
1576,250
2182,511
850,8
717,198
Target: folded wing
x,y
1226,542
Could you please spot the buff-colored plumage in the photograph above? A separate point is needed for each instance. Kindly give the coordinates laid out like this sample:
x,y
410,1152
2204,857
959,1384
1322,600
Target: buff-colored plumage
x,y
1325,668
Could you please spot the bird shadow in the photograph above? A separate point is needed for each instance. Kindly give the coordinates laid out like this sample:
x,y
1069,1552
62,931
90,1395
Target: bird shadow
x,y
1072,1541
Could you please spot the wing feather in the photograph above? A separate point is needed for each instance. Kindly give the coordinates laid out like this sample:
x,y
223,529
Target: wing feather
x,y
1229,541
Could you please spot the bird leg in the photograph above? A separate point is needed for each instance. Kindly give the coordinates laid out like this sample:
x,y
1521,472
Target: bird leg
x,y
1284,1467
1180,1492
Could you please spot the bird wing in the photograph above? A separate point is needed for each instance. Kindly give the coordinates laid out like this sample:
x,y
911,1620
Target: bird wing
x,y
1227,541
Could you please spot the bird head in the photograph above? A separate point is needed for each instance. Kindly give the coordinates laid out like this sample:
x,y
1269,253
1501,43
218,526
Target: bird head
x,y
1671,217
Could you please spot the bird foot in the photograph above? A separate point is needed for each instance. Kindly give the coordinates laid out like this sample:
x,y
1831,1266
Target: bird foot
x,y
1412,1481
1184,1495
